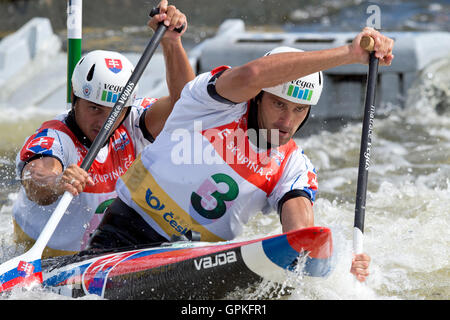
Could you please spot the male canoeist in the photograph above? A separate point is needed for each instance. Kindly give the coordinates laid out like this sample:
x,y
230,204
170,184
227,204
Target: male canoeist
x,y
48,163
226,153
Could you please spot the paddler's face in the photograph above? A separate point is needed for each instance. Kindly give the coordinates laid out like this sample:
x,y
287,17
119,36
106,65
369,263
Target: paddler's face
x,y
91,117
278,115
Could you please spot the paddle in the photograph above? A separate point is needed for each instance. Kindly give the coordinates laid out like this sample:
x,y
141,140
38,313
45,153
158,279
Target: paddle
x,y
25,270
366,145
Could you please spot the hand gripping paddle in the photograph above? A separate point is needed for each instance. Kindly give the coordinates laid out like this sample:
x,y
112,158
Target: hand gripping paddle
x,y
366,145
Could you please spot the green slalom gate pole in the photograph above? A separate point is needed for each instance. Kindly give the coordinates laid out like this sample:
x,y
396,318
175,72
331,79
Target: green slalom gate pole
x,y
74,36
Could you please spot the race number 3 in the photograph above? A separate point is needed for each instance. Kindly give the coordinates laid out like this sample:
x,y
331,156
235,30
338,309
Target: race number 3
x,y
220,209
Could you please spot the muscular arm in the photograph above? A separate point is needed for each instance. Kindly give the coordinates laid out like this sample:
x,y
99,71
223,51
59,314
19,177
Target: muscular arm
x,y
245,82
178,69
297,213
242,83
178,73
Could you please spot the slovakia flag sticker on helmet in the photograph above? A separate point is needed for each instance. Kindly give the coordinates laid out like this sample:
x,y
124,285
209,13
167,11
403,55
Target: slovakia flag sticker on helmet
x,y
115,65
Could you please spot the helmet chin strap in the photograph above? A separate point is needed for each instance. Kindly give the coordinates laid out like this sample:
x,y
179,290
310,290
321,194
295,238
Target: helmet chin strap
x,y
253,116
304,120
253,120
73,126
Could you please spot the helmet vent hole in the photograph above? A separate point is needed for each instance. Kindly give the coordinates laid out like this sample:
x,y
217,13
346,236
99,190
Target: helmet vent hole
x,y
320,79
90,74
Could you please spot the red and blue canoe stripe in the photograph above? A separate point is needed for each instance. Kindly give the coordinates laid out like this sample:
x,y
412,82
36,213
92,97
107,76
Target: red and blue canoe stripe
x,y
266,257
316,265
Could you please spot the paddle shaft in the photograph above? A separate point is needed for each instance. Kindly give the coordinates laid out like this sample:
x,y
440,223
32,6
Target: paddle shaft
x,y
108,127
365,150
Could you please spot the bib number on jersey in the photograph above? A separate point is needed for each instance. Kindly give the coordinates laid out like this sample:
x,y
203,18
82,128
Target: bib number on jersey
x,y
220,208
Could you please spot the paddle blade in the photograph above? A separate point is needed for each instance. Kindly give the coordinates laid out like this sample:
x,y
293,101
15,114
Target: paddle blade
x,y
20,272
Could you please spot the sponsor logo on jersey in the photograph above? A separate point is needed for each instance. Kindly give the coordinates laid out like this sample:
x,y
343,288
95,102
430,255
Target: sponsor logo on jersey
x,y
121,142
160,207
115,65
173,221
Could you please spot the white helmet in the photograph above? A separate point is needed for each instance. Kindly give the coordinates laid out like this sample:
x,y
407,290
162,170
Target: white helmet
x,y
305,90
100,76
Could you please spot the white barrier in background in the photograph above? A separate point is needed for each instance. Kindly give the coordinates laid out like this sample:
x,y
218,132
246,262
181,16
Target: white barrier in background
x,y
28,54
33,68
344,89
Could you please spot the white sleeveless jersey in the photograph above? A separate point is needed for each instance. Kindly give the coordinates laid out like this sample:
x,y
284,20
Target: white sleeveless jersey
x,y
85,211
203,173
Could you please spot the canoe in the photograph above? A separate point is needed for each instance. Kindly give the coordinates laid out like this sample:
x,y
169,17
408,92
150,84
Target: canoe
x,y
190,270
